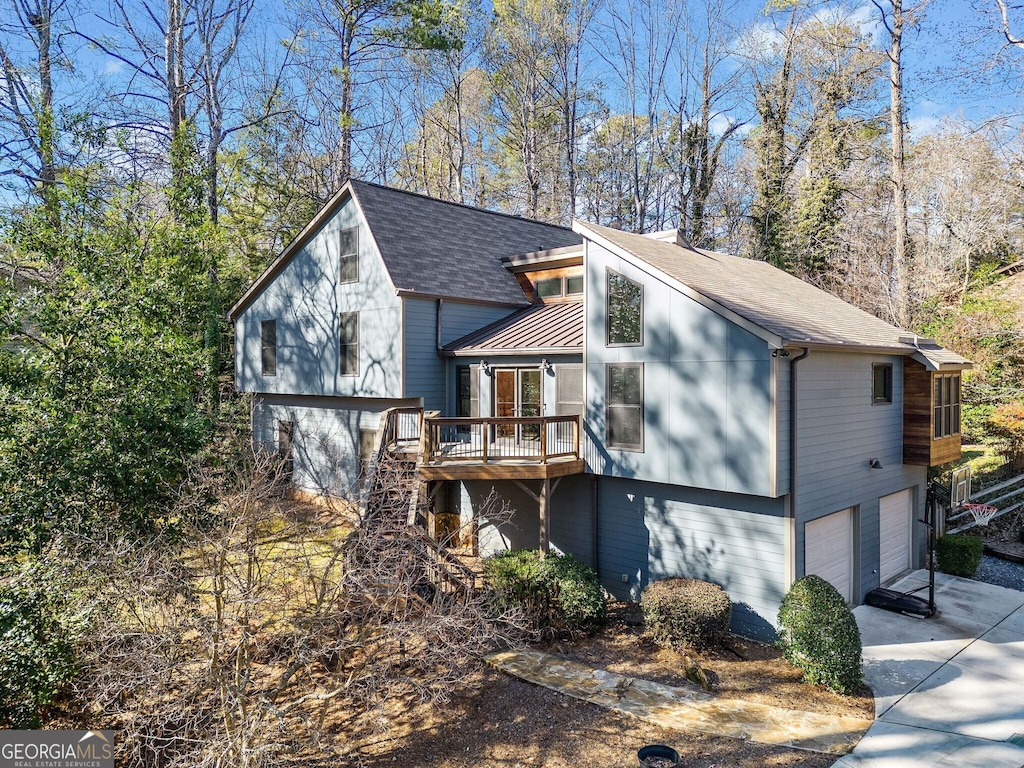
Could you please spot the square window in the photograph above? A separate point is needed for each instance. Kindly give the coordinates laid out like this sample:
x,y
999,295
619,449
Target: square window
x,y
881,383
574,285
625,311
625,406
349,344
268,347
348,271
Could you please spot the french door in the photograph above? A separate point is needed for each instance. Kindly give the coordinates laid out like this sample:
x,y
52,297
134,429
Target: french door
x,y
517,392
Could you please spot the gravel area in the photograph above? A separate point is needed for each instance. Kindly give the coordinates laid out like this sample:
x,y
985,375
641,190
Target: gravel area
x,y
1002,573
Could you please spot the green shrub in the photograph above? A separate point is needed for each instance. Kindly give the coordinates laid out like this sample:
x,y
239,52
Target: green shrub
x,y
959,554
37,650
680,612
558,594
818,634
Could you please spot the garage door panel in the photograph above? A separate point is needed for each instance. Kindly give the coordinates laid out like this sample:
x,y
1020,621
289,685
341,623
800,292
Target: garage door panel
x,y
828,550
895,518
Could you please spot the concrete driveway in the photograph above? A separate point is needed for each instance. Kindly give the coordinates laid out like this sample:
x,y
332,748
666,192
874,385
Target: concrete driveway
x,y
949,690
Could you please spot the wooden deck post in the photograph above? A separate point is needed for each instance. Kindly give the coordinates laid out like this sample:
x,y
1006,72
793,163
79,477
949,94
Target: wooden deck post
x,y
545,522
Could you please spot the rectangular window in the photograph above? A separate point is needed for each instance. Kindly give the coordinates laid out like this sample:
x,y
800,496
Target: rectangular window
x,y
349,348
464,391
946,405
574,285
549,288
625,311
268,347
348,271
625,406
881,383
569,390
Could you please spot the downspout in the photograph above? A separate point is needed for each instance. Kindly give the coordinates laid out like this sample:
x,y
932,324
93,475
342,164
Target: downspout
x,y
792,452
447,388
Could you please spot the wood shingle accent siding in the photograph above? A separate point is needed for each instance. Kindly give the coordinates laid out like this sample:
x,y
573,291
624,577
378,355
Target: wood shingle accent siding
x,y
918,446
917,414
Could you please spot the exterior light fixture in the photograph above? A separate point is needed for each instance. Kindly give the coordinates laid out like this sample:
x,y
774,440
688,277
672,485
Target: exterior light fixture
x,y
875,464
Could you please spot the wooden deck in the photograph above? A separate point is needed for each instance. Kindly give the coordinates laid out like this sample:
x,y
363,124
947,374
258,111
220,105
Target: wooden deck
x,y
544,448
490,448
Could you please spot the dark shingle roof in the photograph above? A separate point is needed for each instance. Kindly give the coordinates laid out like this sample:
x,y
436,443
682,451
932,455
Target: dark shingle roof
x,y
450,250
431,247
541,328
774,300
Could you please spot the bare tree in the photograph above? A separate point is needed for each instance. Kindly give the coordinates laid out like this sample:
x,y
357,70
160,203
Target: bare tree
x,y
708,90
895,17
28,141
568,87
519,51
637,40
270,621
351,45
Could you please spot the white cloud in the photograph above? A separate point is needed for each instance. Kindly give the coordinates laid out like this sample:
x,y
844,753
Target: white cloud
x,y
720,123
760,37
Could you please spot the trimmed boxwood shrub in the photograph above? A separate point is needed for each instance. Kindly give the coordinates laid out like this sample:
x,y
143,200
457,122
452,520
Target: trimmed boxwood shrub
x,y
959,554
686,612
818,634
558,594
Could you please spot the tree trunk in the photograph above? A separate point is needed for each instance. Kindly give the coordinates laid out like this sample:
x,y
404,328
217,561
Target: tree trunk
x,y
346,117
901,251
41,20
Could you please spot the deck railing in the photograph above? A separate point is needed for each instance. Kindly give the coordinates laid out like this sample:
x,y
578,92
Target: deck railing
x,y
494,439
401,426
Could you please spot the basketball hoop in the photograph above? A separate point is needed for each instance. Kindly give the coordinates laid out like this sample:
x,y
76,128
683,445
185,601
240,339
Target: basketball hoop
x,y
982,512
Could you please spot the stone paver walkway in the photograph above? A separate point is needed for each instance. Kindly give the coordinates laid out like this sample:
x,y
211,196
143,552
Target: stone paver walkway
x,y
684,708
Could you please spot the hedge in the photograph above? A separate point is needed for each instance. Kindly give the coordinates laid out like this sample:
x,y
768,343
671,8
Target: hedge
x,y
818,634
686,612
558,594
959,554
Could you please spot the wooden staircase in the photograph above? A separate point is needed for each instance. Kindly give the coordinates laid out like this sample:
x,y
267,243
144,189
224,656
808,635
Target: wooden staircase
x,y
395,502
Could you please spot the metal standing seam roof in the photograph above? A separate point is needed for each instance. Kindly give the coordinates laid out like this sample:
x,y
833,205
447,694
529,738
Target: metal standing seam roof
x,y
542,328
448,250
784,305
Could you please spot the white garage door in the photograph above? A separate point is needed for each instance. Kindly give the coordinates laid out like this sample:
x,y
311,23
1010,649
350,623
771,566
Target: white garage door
x,y
828,550
894,534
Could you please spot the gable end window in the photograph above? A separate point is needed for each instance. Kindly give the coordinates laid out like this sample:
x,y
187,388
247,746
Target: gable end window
x,y
624,412
625,319
881,383
349,344
946,405
268,347
348,270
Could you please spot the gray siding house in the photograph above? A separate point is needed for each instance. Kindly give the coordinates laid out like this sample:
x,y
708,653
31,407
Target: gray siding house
x,y
654,409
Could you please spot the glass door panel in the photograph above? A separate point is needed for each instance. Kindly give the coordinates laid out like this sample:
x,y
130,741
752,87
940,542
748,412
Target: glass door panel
x,y
529,402
505,399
